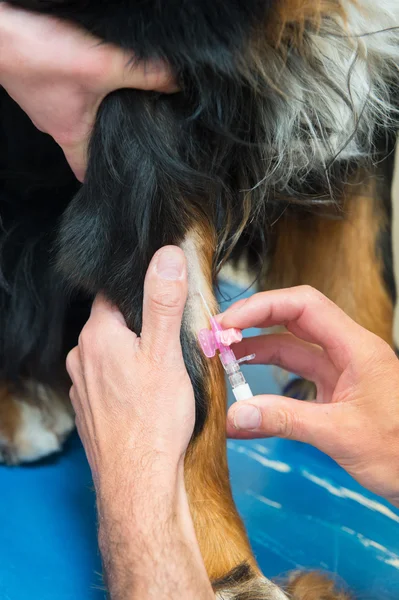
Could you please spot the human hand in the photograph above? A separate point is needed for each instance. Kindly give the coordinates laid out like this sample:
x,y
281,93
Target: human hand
x,y
135,414
59,75
132,395
355,418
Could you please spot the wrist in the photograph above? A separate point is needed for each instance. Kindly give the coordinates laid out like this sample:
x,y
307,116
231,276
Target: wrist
x,y
116,462
147,539
138,522
144,486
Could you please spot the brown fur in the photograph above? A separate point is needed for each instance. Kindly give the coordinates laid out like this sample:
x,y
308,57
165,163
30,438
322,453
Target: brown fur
x,y
220,532
339,257
284,31
221,535
314,586
299,12
9,415
290,17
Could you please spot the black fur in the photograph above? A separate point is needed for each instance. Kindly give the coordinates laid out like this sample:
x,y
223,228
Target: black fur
x,y
158,164
384,192
241,574
244,584
35,187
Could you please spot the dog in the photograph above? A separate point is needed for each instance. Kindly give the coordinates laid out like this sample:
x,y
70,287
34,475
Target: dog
x,y
278,150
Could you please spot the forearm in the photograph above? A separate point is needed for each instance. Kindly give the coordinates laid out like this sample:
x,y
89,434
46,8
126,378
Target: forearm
x,y
148,543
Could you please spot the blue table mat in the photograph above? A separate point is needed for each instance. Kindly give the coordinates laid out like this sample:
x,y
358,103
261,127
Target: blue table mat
x,y
301,511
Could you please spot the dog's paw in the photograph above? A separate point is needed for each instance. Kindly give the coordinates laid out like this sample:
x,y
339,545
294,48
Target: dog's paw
x,y
32,425
300,389
315,586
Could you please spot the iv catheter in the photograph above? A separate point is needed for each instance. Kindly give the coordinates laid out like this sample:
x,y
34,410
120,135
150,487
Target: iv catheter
x,y
218,340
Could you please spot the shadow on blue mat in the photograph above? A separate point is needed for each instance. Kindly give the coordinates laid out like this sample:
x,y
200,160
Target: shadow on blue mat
x,y
300,509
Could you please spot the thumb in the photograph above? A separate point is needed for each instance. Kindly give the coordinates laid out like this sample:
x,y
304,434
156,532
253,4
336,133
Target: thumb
x,y
165,295
276,416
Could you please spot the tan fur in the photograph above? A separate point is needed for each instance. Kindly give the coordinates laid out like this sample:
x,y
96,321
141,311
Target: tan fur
x,y
290,17
9,415
284,31
314,586
301,11
338,257
221,534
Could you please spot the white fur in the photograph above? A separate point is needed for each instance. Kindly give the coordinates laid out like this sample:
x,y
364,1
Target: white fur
x,y
42,428
195,314
269,591
196,317
333,97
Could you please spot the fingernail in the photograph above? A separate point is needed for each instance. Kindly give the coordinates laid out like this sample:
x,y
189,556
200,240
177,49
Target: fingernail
x,y
170,263
247,417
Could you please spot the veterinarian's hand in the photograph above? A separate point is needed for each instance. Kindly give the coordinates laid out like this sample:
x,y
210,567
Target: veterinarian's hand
x,y
132,395
59,75
355,419
135,414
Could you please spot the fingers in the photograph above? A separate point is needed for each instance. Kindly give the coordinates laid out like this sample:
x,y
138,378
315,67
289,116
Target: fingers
x,y
75,372
165,295
77,156
73,363
104,334
275,416
125,72
105,311
307,314
289,352
105,319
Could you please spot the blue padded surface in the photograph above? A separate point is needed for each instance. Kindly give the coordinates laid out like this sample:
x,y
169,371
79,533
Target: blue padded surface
x,y
301,510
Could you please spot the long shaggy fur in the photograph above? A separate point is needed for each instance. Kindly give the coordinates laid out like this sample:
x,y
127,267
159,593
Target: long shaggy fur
x,y
258,123
279,102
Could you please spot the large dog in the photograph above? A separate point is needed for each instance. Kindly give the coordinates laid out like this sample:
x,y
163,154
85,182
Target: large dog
x,y
278,148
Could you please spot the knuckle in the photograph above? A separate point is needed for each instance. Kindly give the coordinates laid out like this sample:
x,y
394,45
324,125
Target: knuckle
x,y
166,302
314,294
378,353
85,338
307,289
91,340
72,360
379,346
285,423
72,395
159,79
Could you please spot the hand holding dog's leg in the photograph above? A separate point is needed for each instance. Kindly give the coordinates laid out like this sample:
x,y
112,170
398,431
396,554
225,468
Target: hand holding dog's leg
x,y
135,414
356,417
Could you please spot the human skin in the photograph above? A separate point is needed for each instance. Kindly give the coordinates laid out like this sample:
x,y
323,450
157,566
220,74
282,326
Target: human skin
x,y
355,418
59,74
135,414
